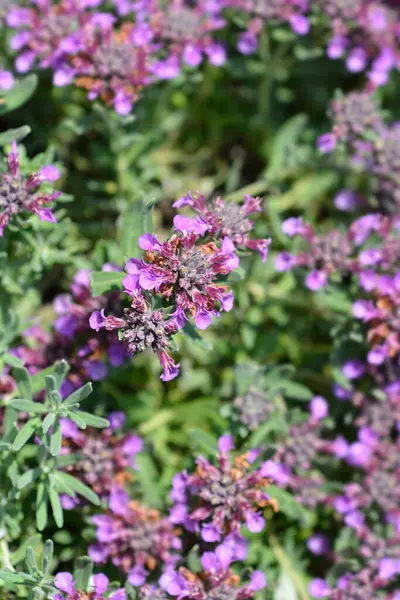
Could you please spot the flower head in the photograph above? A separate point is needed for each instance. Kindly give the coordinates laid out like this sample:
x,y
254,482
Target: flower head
x,y
134,538
220,498
21,194
66,585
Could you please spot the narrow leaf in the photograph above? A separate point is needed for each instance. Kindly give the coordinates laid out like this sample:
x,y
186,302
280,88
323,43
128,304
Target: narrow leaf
x,y
80,488
56,439
60,372
93,420
56,507
41,506
103,281
77,420
28,406
23,383
18,134
48,422
82,573
25,434
10,359
47,556
28,477
31,560
78,395
16,578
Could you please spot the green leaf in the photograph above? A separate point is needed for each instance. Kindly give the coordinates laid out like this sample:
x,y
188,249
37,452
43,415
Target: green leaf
x,y
103,281
289,506
203,442
284,141
24,383
38,379
77,420
78,395
294,390
149,480
56,507
18,134
30,560
79,487
275,424
25,433
28,406
83,572
48,422
51,384
93,420
56,439
28,477
136,220
41,506
193,335
60,372
19,94
9,359
16,578
236,275
19,555
47,556
10,420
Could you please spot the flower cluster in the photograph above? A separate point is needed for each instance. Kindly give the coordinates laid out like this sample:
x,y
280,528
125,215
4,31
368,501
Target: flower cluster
x,y
362,133
134,538
105,456
227,219
216,499
215,581
253,408
66,585
114,55
368,250
72,338
21,194
184,272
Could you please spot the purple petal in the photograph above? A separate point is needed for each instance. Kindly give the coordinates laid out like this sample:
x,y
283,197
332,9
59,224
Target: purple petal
x,y
64,582
100,583
210,533
226,443
254,522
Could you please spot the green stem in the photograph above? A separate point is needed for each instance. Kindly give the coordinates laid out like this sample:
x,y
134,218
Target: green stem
x,y
5,553
266,81
289,568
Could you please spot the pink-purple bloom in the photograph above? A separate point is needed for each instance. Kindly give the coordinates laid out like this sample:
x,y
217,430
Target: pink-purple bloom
x,y
20,194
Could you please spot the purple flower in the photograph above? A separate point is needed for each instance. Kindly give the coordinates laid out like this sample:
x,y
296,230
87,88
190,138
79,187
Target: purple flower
x,y
20,194
318,588
357,60
6,80
318,544
247,43
65,583
294,226
315,280
346,200
105,457
319,408
134,538
353,369
327,143
221,498
228,220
